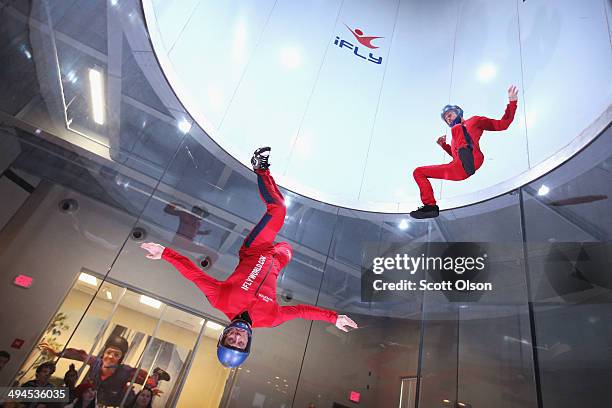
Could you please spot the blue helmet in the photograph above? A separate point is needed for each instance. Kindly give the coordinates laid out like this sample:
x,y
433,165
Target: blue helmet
x,y
457,110
231,356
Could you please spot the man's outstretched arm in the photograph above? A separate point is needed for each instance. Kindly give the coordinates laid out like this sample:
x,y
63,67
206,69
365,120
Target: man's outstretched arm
x,y
207,284
69,353
503,123
310,312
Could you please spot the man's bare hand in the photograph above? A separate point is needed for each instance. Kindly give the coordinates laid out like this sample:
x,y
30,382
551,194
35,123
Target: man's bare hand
x,y
344,320
47,349
513,93
154,250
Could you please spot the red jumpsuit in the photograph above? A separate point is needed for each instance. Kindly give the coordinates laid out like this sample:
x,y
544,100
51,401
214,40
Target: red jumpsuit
x,y
454,170
252,285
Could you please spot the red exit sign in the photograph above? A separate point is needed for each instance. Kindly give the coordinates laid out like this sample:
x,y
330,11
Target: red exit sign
x,y
354,396
17,343
24,281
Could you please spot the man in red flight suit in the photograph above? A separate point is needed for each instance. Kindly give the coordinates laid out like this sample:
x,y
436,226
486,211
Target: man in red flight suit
x,y
248,296
464,148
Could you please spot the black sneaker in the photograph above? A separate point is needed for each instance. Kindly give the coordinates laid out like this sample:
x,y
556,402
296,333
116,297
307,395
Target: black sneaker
x,y
260,158
162,375
426,211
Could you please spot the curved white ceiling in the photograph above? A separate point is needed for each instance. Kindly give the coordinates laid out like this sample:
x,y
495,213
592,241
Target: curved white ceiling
x,y
348,123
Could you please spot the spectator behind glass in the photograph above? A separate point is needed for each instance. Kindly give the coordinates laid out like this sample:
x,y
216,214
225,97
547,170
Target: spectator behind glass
x,y
43,374
144,399
108,373
85,396
70,379
4,358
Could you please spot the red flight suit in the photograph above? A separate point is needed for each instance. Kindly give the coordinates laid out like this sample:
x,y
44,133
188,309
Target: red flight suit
x,y
455,170
252,285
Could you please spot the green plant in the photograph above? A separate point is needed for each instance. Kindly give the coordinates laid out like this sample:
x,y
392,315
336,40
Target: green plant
x,y
53,331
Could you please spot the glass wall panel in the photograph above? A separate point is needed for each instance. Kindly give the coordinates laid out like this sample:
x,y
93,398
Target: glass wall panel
x,y
70,325
568,229
369,362
439,355
53,233
488,329
117,315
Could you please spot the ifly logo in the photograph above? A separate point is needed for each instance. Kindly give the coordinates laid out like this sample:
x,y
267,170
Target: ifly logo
x,y
364,41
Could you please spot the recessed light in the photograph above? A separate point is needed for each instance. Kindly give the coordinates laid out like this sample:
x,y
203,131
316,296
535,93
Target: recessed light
x,y
145,300
88,279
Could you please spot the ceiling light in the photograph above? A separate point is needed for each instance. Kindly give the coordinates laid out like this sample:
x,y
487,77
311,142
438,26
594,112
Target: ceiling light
x,y
150,301
543,190
184,126
97,96
213,325
72,77
25,51
88,279
486,72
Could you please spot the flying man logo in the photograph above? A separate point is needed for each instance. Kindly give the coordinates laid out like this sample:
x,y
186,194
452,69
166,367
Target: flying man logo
x,y
362,39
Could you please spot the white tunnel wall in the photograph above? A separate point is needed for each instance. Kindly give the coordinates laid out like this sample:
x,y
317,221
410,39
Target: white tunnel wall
x,y
349,131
